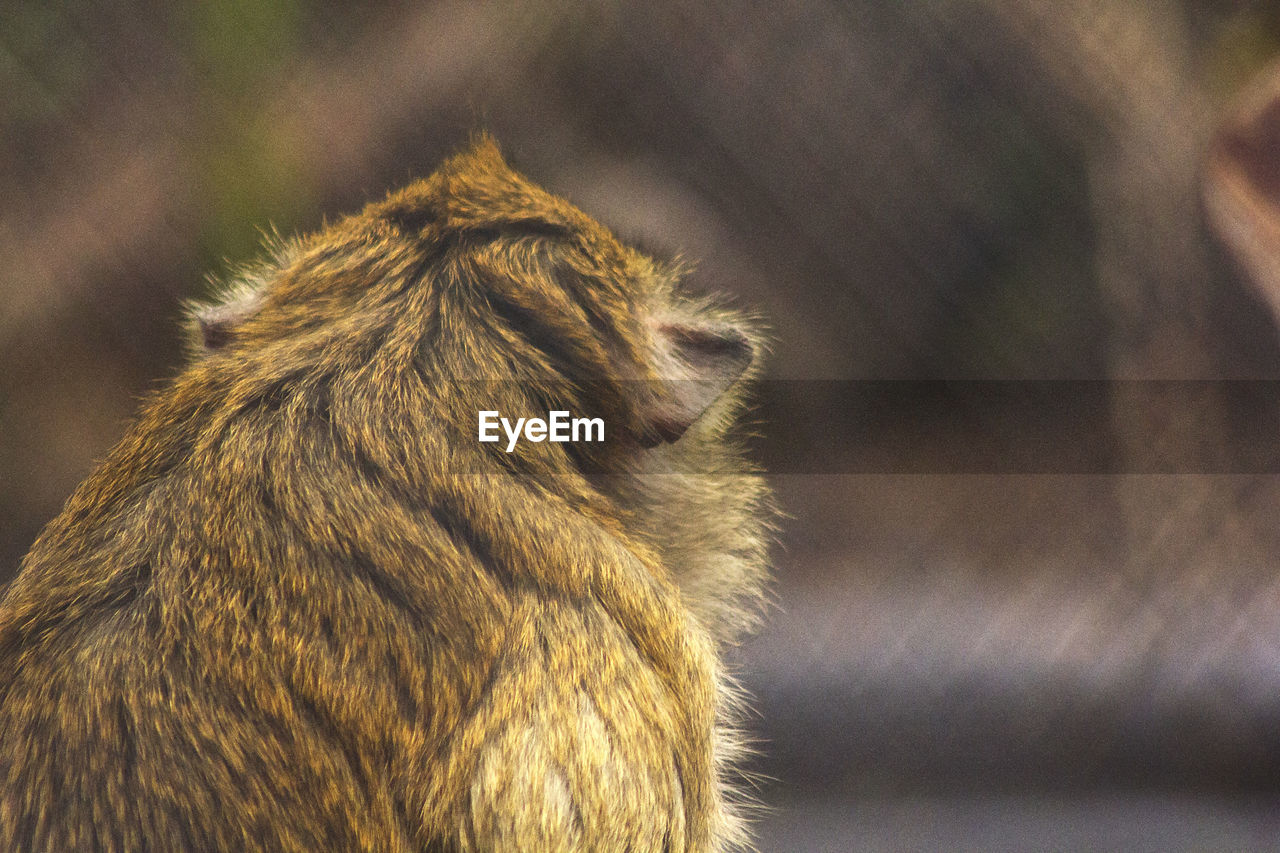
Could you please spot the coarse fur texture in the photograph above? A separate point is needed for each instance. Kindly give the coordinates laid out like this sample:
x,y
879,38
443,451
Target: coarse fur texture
x,y
301,607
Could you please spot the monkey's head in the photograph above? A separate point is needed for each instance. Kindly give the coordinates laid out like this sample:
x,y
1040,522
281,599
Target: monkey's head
x,y
381,338
485,292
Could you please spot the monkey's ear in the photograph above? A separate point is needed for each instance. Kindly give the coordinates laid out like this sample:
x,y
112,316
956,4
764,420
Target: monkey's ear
x,y
215,324
696,363
1242,185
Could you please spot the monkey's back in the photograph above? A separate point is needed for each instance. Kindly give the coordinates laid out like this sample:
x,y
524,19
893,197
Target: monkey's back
x,y
300,606
212,672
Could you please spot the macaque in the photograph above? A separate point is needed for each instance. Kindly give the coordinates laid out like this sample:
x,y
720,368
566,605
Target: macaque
x,y
301,606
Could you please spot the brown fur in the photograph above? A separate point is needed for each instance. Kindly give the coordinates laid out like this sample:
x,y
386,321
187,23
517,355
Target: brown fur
x,y
301,607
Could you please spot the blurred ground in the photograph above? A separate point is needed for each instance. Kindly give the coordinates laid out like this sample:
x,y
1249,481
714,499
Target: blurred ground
x,y
1013,659
1142,823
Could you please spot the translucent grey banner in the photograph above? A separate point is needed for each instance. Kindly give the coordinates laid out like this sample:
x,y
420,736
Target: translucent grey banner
x,y
1017,427
949,427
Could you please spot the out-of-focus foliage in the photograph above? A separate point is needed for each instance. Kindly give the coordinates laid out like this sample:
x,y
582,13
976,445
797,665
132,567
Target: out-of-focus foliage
x,y
45,70
235,53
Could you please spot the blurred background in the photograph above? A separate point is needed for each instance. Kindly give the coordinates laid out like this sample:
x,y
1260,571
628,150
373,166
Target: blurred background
x,y
1043,614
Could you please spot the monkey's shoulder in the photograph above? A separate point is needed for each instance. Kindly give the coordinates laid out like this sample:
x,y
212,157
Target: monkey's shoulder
x,y
578,741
